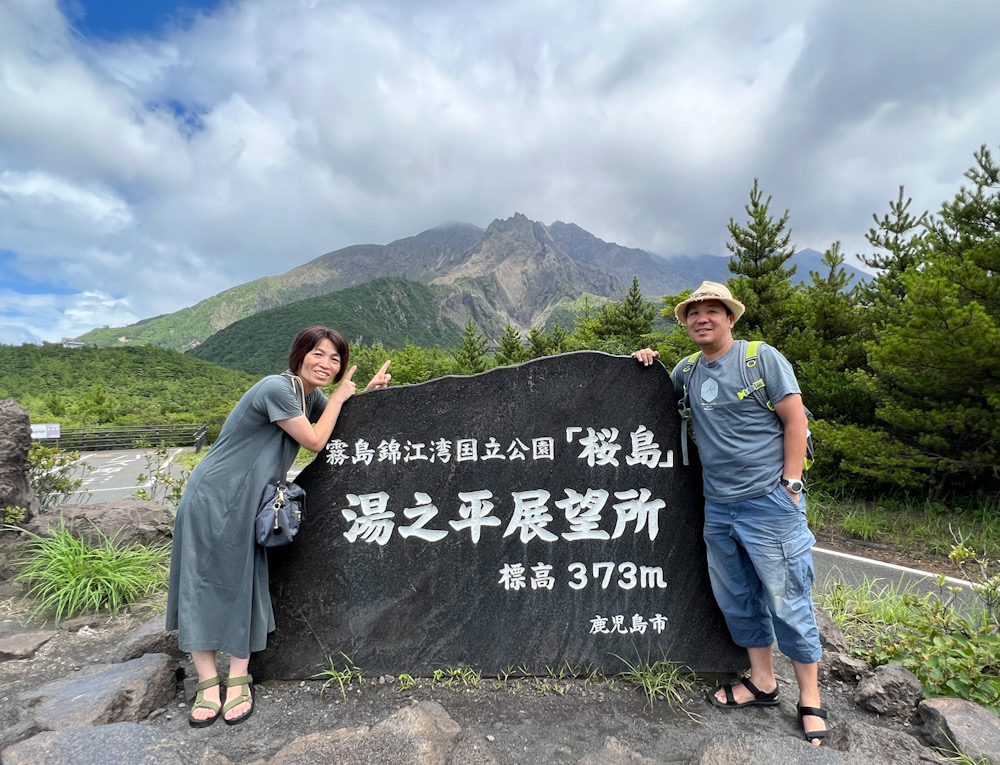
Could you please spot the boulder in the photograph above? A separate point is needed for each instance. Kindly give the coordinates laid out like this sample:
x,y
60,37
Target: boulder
x,y
890,690
959,725
127,521
423,734
151,637
101,694
24,644
103,745
873,745
751,749
15,442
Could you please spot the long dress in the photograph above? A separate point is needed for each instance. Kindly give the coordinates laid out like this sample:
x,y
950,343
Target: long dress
x,y
218,597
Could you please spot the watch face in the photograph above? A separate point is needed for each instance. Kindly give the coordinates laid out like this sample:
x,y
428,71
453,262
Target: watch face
x,y
794,486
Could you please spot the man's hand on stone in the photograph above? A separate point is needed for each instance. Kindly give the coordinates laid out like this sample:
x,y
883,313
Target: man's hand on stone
x,y
646,356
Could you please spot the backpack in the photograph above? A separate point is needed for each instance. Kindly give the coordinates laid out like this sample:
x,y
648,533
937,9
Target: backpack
x,y
753,385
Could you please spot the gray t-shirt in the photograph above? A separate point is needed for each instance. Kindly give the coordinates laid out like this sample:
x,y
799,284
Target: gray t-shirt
x,y
741,443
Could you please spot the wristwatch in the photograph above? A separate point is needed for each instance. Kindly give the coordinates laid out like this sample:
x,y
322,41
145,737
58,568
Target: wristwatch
x,y
795,486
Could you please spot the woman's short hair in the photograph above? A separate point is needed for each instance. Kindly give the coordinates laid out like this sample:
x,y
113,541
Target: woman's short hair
x,y
308,339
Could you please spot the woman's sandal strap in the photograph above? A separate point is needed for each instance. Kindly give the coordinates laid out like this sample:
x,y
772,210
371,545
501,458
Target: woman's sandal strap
x,y
205,684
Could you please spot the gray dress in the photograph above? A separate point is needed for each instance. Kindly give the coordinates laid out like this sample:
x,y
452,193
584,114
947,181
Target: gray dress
x,y
218,597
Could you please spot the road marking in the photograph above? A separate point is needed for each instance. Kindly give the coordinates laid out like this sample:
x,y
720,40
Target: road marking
x,y
893,566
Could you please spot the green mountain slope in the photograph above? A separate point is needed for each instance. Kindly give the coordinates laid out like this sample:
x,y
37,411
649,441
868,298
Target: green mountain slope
x,y
387,311
129,385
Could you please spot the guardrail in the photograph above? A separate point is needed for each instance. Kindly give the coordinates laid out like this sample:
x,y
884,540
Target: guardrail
x,y
130,437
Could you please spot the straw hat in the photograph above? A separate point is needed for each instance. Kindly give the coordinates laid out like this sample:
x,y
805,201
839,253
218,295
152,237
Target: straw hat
x,y
710,291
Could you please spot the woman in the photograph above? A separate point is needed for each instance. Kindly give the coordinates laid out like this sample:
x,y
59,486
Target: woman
x,y
218,598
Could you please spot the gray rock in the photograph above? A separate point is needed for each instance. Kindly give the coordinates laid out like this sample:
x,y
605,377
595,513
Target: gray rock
x,y
749,749
831,637
15,441
102,694
103,745
890,690
151,637
958,724
422,734
128,521
24,644
615,752
871,745
846,668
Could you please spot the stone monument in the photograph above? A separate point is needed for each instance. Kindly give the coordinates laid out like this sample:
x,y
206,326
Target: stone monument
x,y
533,517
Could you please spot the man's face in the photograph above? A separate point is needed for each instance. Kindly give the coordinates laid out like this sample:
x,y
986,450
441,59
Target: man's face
x,y
709,323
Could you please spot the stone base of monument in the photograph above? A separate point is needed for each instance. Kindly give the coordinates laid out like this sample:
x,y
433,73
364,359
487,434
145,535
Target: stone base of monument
x,y
533,518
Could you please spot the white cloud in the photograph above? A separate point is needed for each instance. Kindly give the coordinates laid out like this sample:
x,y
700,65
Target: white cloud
x,y
272,131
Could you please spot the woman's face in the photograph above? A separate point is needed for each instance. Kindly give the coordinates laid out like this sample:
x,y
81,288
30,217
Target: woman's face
x,y
320,365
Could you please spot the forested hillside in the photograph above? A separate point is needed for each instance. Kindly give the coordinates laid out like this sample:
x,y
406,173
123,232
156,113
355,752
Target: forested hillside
x,y
124,386
387,312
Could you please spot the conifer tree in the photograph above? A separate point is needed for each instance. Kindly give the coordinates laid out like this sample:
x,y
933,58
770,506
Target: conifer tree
x,y
899,236
512,350
937,368
763,283
471,357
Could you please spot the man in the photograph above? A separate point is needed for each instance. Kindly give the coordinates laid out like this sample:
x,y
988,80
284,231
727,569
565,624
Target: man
x,y
759,558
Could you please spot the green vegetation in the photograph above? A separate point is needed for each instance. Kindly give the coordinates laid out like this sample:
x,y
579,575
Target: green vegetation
x,y
162,486
661,681
184,329
67,577
952,655
342,677
54,475
384,312
80,387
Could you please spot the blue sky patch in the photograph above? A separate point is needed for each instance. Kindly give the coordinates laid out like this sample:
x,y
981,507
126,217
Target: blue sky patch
x,y
11,278
114,19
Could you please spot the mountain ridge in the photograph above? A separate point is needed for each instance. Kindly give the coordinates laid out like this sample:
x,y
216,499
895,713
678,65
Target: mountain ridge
x,y
516,271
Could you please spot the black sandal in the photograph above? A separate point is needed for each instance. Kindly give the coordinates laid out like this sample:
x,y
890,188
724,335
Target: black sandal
x,y
760,699
813,712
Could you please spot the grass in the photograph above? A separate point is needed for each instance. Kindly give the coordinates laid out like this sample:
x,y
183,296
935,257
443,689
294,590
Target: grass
x,y
919,528
67,577
342,677
661,681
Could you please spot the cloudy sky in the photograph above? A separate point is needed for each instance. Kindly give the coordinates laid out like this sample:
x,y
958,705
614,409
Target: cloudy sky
x,y
155,153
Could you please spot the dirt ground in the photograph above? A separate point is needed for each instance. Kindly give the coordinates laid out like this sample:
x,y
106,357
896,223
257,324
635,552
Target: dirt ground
x,y
546,721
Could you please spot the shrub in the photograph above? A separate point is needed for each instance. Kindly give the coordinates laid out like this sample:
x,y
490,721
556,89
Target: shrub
x,y
67,577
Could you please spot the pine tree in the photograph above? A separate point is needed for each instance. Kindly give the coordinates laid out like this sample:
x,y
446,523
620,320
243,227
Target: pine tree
x,y
471,357
901,239
539,343
937,367
512,350
763,284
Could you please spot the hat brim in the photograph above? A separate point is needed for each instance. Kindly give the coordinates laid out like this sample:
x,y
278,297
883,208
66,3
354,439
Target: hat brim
x,y
735,306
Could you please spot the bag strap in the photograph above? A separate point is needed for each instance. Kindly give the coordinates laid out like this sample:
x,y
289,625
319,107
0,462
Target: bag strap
x,y
683,406
296,380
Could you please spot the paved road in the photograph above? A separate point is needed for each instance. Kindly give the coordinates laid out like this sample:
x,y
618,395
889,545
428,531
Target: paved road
x,y
115,476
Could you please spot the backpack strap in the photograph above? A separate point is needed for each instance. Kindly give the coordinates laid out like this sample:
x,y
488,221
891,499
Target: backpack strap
x,y
753,381
683,407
